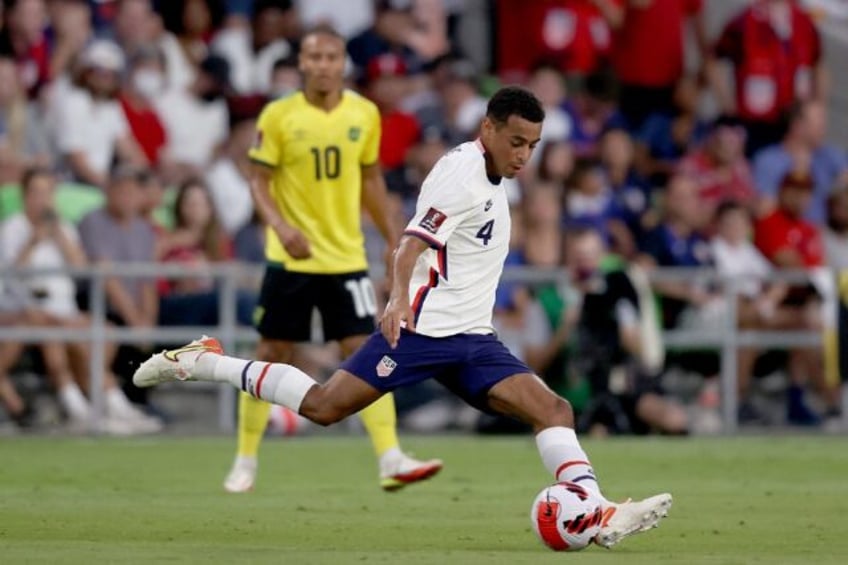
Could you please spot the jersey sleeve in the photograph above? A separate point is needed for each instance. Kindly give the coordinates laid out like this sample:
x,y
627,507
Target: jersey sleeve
x,y
443,204
267,145
371,149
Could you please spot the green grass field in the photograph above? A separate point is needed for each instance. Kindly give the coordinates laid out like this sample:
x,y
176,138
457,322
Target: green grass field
x,y
737,501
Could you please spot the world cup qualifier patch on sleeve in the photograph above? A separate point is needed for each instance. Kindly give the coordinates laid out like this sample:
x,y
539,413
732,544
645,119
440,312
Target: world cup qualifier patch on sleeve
x,y
432,220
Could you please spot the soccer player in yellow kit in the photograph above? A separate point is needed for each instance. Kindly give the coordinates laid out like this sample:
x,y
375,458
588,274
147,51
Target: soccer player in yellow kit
x,y
315,167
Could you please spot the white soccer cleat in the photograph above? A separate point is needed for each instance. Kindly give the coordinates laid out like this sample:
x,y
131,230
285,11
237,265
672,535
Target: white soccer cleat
x,y
241,477
404,470
174,364
628,518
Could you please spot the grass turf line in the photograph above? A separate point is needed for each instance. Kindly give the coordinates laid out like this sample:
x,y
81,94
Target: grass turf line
x,y
737,501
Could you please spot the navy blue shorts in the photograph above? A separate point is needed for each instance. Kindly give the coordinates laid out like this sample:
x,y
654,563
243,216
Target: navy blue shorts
x,y
467,364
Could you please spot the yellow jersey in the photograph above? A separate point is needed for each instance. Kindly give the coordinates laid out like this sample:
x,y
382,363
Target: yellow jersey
x,y
316,181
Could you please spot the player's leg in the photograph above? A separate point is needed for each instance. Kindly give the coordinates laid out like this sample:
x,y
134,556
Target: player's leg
x,y
283,317
347,304
494,378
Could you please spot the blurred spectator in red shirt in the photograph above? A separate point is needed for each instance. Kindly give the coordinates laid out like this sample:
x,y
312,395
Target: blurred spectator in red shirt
x,y
784,237
719,167
572,35
24,39
386,87
776,54
145,81
648,53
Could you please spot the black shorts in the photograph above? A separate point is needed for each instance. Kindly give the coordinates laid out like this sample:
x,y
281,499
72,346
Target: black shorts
x,y
346,302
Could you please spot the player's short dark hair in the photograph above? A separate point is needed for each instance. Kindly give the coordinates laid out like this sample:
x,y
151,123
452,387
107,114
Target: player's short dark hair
x,y
728,206
514,101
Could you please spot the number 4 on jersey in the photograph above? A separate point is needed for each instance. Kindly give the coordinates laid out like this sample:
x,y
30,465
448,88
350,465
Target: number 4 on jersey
x,y
485,232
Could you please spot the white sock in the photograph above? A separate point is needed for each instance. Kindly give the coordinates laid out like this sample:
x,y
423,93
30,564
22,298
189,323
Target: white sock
x,y
246,462
74,402
275,382
565,459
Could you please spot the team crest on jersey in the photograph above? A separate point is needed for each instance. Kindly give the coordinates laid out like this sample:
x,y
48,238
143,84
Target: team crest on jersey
x,y
386,366
432,220
488,205
354,133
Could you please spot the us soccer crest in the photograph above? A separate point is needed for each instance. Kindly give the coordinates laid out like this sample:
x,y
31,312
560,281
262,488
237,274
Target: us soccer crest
x,y
386,366
354,133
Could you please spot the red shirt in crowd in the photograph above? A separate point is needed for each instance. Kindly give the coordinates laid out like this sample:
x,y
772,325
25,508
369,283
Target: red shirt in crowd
x,y
571,34
779,232
400,132
771,71
648,49
146,128
717,184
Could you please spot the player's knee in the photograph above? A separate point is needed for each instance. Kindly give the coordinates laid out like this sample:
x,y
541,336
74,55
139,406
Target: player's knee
x,y
321,413
557,412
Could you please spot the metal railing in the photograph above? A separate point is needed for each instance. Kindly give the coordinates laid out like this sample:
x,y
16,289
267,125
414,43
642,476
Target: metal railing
x,y
728,338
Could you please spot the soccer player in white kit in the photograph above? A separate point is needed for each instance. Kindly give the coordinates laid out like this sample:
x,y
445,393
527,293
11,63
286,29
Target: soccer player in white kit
x,y
438,320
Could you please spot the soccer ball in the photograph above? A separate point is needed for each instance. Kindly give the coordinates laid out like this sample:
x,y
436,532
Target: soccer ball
x,y
566,516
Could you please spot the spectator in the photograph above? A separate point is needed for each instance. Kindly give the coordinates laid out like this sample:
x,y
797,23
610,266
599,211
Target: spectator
x,y
38,238
196,242
612,353
115,234
196,120
386,87
648,53
542,221
759,302
193,23
631,194
71,31
285,78
589,203
547,83
556,163
803,146
790,242
228,178
153,195
24,39
145,82
676,242
664,138
574,35
776,54
91,129
251,52
418,34
458,107
136,25
18,410
593,110
22,138
719,168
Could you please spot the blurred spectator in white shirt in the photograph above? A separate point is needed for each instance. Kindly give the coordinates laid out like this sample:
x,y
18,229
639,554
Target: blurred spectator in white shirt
x,y
348,17
229,181
251,52
22,138
196,120
90,128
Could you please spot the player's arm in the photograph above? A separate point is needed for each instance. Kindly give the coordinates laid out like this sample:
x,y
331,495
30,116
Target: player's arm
x,y
398,309
374,200
292,239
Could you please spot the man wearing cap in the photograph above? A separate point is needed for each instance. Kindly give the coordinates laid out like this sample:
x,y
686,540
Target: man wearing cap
x,y
90,127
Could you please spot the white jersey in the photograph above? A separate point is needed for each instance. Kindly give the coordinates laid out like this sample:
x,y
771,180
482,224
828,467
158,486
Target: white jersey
x,y
464,216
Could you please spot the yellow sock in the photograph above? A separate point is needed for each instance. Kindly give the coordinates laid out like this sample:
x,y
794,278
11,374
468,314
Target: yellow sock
x,y
252,420
380,421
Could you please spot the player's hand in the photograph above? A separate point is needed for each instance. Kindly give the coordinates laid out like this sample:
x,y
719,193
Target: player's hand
x,y
294,242
397,311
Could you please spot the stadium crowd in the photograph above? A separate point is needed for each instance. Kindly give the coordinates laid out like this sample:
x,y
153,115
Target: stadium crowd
x,y
125,126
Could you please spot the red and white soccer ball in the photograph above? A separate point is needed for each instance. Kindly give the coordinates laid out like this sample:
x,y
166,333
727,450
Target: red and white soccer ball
x,y
566,516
